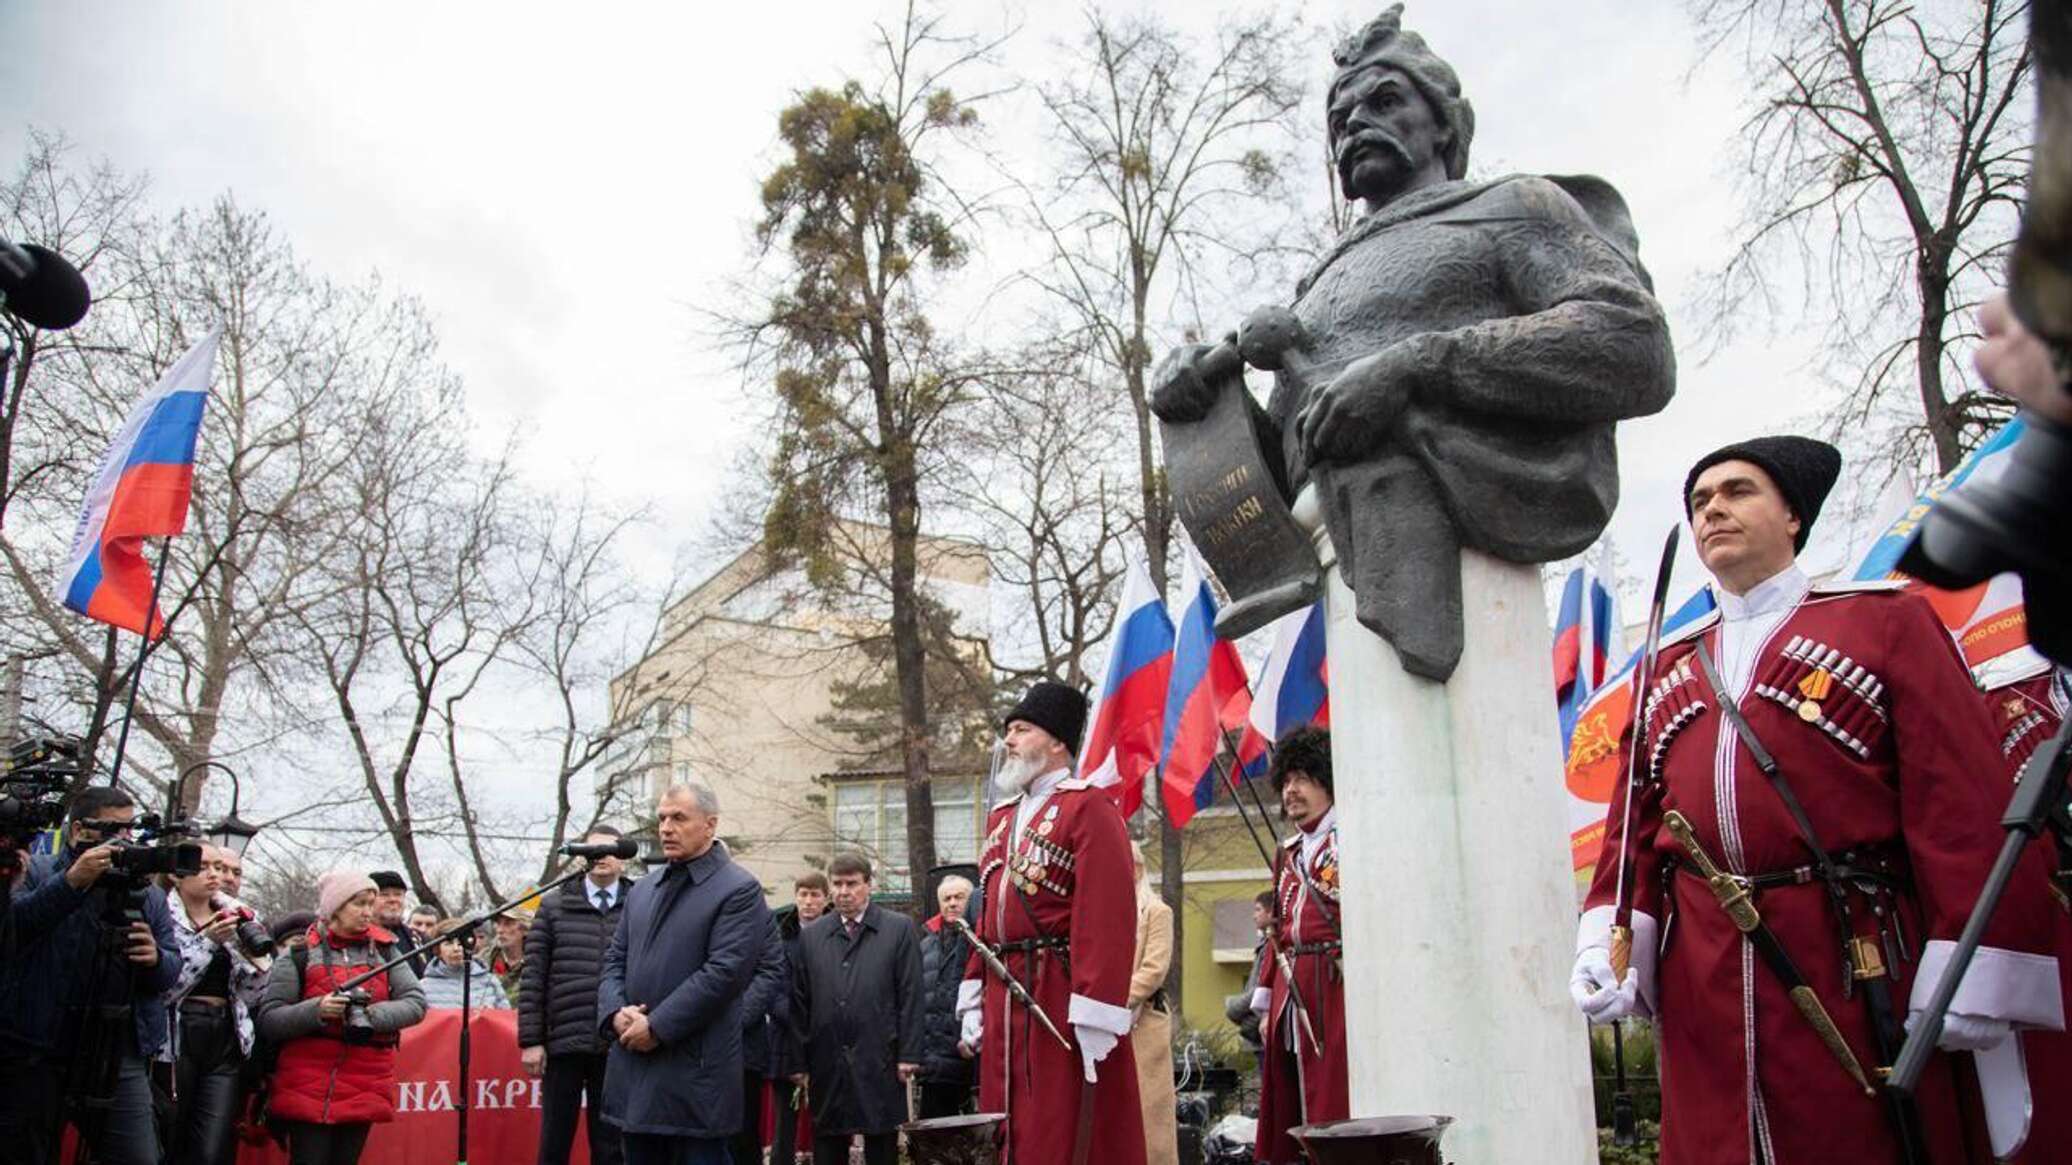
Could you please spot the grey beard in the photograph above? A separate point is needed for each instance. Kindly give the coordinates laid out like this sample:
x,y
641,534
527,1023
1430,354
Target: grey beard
x,y
1016,774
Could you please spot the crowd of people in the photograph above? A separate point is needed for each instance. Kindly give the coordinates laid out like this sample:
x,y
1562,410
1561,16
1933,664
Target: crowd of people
x,y
690,1021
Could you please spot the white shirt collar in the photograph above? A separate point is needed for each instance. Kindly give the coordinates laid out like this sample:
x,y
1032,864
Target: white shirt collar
x,y
1777,593
610,888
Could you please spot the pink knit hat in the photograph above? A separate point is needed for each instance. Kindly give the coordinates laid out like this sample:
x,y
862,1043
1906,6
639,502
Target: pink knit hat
x,y
337,888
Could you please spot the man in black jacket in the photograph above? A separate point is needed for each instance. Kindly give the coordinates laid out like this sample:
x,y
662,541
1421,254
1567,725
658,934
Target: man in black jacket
x,y
82,1009
809,902
946,1059
558,1036
858,1002
765,1023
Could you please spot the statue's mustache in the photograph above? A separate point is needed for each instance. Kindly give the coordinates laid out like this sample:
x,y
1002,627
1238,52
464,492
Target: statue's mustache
x,y
1370,139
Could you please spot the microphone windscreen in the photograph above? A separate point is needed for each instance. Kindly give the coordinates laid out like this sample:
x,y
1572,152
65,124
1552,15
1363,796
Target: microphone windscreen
x,y
54,296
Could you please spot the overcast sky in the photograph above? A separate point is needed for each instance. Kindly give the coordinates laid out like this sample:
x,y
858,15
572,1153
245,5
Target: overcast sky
x,y
565,185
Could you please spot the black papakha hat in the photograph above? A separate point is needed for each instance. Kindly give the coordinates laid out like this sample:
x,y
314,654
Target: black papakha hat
x,y
388,880
1804,470
1054,707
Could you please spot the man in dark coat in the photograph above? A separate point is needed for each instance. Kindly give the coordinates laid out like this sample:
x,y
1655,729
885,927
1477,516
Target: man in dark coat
x,y
685,951
86,939
558,1036
946,1059
794,1123
859,1004
765,1023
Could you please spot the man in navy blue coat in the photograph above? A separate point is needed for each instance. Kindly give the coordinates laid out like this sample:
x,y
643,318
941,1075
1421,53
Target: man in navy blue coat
x,y
688,944
88,942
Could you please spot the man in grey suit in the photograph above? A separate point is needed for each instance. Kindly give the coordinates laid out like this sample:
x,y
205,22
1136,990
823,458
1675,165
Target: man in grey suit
x,y
859,1002
689,939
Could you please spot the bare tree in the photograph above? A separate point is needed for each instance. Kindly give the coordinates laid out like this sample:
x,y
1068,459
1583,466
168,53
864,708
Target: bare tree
x,y
1882,165
1046,475
297,351
1161,143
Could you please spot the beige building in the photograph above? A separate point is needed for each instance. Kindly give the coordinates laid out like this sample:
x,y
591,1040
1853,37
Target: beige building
x,y
737,691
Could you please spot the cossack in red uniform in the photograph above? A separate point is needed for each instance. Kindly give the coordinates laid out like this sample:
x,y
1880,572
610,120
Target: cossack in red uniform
x,y
1861,697
2027,705
1298,1083
1060,907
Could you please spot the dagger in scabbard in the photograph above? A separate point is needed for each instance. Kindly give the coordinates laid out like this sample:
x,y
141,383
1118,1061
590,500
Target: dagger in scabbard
x,y
1643,678
1739,903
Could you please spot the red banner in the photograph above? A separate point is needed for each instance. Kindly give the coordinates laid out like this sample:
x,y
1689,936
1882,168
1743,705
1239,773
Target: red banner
x,y
504,1103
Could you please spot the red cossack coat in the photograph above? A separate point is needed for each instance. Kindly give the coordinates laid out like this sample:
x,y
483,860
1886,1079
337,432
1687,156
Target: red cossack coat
x,y
1872,717
2028,709
1302,1085
1068,881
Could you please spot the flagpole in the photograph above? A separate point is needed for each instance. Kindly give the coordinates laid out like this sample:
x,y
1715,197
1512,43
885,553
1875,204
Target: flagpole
x,y
129,708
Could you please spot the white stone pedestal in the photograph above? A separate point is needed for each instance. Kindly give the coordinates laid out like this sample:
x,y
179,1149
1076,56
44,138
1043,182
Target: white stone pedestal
x,y
1459,904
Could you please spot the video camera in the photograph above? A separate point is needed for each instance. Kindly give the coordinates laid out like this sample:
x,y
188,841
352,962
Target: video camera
x,y
32,793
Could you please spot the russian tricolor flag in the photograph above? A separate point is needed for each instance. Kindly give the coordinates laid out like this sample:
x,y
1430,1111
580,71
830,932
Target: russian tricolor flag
x,y
1294,687
1129,706
141,491
1583,646
1207,697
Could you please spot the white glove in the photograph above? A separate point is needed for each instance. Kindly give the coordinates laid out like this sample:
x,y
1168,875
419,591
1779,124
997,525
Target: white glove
x,y
1094,1043
1591,985
1262,1000
1967,1033
974,1027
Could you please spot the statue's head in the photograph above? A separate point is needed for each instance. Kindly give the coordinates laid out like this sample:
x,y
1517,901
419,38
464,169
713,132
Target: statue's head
x,y
1396,116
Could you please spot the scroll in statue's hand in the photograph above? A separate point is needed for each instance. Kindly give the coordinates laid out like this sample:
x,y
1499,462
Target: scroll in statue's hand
x,y
1185,385
1349,416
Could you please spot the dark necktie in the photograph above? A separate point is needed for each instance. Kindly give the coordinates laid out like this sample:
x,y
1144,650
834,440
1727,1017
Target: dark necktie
x,y
604,901
849,928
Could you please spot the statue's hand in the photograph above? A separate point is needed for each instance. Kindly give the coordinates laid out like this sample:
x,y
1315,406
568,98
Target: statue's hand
x,y
1349,416
1184,387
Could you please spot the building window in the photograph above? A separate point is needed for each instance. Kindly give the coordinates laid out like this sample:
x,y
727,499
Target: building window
x,y
870,816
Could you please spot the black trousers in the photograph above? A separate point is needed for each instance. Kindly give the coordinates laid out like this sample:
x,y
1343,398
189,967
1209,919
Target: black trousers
x,y
33,1113
833,1149
746,1146
208,1087
784,1144
314,1144
642,1149
939,1099
572,1081
32,1092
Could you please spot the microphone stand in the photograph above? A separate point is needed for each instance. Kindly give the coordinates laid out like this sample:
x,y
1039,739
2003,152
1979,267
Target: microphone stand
x,y
461,934
2038,804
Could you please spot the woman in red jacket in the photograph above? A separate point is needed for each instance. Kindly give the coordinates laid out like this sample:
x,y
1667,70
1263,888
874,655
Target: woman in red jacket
x,y
337,1067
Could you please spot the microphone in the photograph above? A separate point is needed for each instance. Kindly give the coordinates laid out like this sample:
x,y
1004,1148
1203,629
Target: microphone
x,y
40,288
625,847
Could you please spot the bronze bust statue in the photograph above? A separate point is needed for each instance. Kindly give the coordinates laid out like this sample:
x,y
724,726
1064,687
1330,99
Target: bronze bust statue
x,y
1451,369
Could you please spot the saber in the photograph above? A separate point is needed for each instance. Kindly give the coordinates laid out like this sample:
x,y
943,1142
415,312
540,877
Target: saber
x,y
1643,678
1735,899
1015,989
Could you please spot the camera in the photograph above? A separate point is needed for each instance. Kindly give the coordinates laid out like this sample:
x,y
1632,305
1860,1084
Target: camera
x,y
356,1028
138,860
2014,522
32,792
252,938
